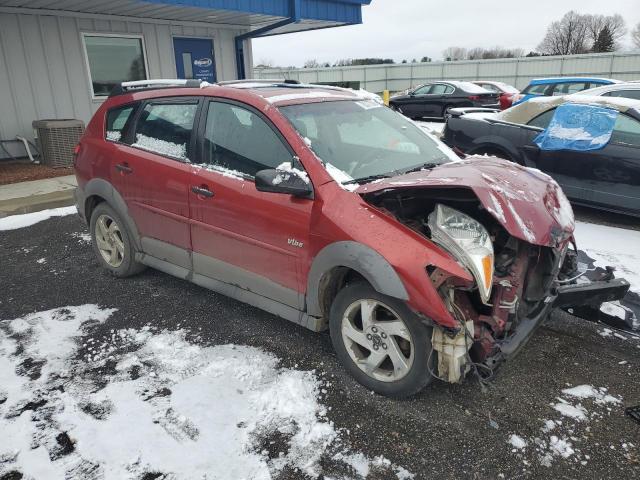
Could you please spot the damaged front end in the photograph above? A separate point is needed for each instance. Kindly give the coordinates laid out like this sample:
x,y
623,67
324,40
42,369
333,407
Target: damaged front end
x,y
517,281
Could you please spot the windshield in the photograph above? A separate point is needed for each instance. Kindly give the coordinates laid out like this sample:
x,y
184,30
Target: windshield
x,y
363,139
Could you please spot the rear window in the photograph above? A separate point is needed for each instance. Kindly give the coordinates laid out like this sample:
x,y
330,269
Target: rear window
x,y
165,128
117,119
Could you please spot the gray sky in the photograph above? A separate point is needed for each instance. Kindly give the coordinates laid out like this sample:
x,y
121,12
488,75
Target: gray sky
x,y
409,29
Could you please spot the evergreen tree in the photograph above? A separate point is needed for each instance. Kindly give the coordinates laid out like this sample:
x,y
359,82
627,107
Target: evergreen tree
x,y
605,41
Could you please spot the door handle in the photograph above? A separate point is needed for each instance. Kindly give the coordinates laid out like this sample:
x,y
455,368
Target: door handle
x,y
124,168
202,191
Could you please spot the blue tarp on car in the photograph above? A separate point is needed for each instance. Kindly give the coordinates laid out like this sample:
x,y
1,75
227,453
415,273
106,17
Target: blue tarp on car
x,y
578,127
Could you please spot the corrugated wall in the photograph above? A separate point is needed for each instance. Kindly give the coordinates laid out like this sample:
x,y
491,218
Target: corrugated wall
x,y
517,72
43,72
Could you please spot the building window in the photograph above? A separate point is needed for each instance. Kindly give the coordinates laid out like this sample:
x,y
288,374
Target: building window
x,y
114,59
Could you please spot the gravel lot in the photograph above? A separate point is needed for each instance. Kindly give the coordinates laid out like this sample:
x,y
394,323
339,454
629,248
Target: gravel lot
x,y
448,431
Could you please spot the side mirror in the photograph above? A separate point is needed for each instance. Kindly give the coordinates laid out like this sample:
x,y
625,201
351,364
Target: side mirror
x,y
286,181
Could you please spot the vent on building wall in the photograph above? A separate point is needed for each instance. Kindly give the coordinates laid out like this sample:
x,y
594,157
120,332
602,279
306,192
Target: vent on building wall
x,y
56,140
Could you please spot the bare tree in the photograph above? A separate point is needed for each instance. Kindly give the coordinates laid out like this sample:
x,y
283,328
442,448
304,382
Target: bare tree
x,y
567,36
313,63
635,36
613,25
480,53
265,63
453,54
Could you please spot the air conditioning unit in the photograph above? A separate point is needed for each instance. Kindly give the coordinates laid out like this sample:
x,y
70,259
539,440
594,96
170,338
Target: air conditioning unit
x,y
56,140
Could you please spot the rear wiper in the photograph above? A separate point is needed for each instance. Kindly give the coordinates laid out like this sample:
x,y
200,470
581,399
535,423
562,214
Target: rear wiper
x,y
368,179
424,166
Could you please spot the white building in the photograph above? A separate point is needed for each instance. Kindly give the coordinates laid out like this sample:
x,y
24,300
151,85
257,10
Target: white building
x,y
60,59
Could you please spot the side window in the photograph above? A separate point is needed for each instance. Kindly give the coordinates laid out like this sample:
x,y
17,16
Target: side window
x,y
569,88
542,120
626,130
491,88
423,90
239,140
165,128
438,89
116,121
635,94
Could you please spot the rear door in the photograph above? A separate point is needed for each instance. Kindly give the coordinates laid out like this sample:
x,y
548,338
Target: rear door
x,y
152,173
250,239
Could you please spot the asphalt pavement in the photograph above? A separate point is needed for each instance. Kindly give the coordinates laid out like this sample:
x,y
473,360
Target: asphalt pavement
x,y
447,431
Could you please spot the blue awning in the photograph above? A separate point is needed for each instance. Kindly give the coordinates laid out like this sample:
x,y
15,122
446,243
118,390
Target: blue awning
x,y
251,14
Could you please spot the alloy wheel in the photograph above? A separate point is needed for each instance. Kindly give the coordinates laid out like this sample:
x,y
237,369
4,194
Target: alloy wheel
x,y
377,340
109,240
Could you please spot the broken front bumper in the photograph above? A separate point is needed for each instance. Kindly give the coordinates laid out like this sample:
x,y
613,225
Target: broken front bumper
x,y
588,294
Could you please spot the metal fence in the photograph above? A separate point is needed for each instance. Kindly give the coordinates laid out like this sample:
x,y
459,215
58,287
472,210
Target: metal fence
x,y
514,71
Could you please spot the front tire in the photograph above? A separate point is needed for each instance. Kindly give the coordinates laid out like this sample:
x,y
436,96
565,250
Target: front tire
x,y
380,341
112,242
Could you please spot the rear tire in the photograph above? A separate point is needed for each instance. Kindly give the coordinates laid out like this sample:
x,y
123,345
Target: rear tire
x,y
445,110
380,341
112,243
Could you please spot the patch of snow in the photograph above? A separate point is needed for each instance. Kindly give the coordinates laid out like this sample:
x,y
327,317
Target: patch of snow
x,y
572,411
26,220
169,406
114,135
526,232
41,261
339,176
599,395
161,146
284,173
82,237
617,247
517,441
225,172
549,425
616,309
496,208
560,446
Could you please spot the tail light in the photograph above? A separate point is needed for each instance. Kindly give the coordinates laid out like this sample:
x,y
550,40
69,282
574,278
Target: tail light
x,y
76,151
516,97
474,98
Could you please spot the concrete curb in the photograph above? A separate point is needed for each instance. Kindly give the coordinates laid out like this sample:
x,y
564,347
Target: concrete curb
x,y
35,203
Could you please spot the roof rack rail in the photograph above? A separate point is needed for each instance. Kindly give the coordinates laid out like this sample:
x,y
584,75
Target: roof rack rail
x,y
268,81
126,87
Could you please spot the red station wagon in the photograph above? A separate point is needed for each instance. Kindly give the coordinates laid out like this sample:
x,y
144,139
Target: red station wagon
x,y
330,210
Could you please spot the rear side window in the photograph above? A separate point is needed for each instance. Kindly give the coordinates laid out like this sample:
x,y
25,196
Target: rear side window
x,y
239,140
635,94
165,128
542,120
535,89
117,119
441,89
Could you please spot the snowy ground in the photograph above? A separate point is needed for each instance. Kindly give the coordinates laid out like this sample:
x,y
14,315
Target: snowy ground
x,y
153,377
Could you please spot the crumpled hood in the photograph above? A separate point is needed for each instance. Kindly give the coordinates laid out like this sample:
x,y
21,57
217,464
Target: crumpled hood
x,y
528,203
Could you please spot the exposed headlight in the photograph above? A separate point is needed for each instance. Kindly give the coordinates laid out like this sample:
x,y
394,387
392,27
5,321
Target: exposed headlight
x,y
468,241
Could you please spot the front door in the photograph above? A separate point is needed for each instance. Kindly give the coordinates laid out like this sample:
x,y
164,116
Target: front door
x,y
254,240
194,59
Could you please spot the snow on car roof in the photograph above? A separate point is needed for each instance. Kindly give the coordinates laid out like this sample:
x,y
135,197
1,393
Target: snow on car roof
x,y
522,113
278,94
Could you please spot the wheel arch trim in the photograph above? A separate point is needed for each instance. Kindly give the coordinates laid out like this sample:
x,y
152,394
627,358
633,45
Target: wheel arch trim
x,y
360,258
103,189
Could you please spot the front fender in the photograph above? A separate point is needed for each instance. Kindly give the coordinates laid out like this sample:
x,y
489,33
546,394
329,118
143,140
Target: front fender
x,y
364,260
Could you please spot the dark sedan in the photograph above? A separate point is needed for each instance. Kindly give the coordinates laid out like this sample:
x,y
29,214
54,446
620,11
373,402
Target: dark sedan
x,y
607,178
435,99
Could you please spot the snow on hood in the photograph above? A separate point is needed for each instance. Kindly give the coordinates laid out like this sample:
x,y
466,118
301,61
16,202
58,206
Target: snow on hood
x,y
528,203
